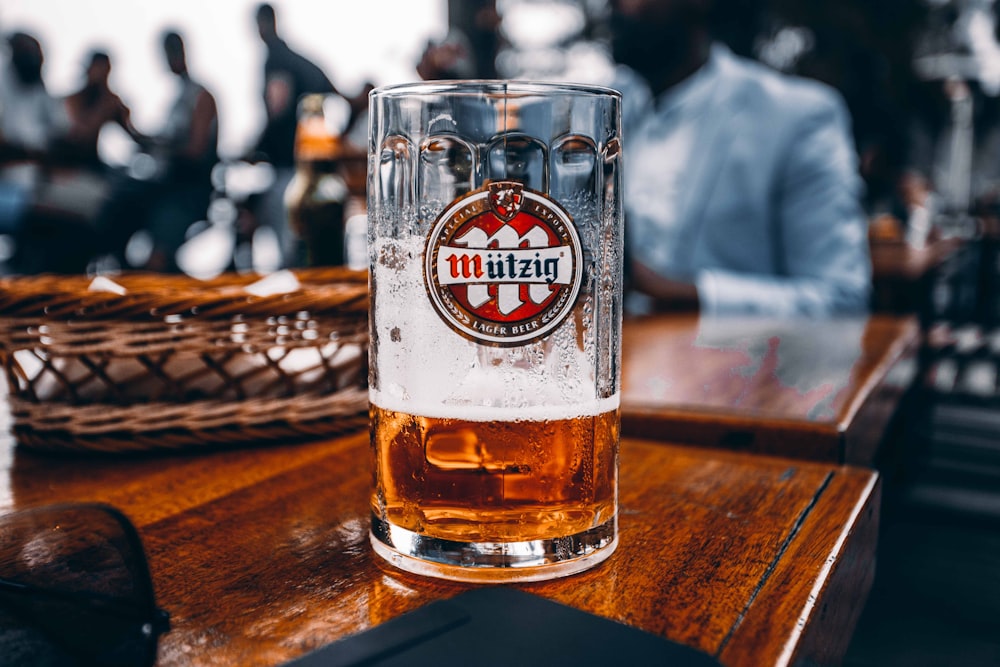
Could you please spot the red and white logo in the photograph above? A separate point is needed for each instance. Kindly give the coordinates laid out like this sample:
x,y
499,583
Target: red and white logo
x,y
503,264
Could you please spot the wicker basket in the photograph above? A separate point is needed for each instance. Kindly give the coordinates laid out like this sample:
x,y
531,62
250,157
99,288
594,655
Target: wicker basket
x,y
175,362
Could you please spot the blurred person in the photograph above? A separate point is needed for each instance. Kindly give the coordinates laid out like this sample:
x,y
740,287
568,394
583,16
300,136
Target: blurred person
x,y
865,50
476,24
742,193
30,120
37,200
75,184
177,192
357,133
187,148
447,59
949,168
288,76
92,107
917,207
30,117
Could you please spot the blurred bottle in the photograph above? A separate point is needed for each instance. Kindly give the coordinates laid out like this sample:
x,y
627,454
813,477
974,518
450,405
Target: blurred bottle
x,y
316,196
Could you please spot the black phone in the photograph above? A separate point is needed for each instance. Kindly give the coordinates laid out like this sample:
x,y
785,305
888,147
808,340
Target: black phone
x,y
501,626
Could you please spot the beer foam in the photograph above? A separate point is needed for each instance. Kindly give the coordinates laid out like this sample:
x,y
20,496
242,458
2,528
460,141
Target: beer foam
x,y
478,413
420,361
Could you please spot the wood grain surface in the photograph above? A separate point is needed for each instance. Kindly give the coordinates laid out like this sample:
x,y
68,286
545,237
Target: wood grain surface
x,y
262,554
898,261
822,390
903,278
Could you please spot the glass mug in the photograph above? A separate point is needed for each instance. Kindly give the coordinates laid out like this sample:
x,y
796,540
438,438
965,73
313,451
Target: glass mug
x,y
495,248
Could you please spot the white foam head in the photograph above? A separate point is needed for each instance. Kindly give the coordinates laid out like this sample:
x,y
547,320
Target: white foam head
x,y
424,367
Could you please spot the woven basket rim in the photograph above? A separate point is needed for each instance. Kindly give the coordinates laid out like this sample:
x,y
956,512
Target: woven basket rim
x,y
102,330
109,429
155,296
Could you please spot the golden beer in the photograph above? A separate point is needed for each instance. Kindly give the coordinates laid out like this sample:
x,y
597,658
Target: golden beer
x,y
494,481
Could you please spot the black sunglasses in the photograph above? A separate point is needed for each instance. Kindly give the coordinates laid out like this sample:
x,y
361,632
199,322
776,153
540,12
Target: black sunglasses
x,y
75,588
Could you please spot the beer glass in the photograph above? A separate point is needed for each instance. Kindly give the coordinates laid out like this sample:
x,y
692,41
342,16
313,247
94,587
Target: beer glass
x,y
495,243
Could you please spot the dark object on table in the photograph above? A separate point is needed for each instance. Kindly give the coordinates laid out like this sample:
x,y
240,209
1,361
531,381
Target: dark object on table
x,y
503,626
75,586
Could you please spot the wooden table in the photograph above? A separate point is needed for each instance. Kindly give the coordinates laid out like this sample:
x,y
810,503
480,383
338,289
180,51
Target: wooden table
x,y
262,554
904,277
822,390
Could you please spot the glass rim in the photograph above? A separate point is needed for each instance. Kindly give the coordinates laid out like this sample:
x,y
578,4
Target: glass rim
x,y
500,87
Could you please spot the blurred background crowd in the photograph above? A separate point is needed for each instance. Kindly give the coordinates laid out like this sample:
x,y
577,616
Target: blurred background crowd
x,y
135,136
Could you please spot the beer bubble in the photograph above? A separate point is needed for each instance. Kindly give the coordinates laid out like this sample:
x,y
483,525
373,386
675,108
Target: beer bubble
x,y
392,258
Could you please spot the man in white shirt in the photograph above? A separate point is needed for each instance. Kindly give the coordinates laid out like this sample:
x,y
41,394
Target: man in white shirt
x,y
742,194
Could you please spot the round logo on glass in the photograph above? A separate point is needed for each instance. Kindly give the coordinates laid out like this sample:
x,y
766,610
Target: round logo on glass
x,y
503,264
